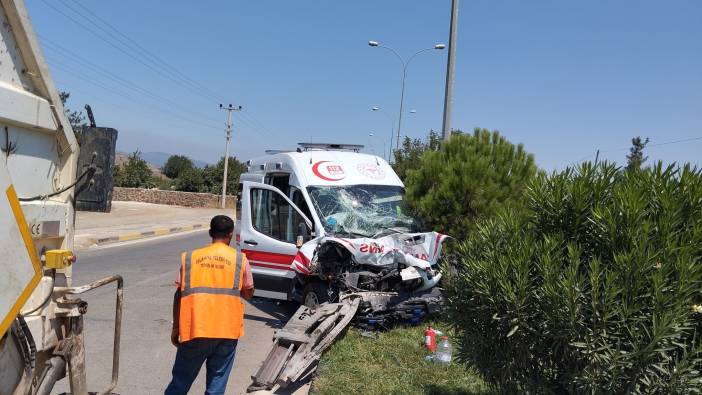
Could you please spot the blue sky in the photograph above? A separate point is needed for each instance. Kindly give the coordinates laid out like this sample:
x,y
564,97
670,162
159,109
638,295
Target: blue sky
x,y
563,78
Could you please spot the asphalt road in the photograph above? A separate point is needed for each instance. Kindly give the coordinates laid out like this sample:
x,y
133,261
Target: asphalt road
x,y
150,269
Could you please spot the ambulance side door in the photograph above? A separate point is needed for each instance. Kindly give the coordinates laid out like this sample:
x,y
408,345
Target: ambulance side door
x,y
270,224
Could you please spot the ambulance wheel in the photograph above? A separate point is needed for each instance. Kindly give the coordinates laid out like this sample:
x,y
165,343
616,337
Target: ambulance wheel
x,y
316,293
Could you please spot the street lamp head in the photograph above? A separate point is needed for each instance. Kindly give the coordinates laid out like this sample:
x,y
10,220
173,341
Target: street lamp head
x,y
220,105
375,109
373,43
439,46
370,134
413,111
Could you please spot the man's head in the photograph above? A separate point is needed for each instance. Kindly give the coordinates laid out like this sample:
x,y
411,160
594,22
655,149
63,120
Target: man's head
x,y
221,228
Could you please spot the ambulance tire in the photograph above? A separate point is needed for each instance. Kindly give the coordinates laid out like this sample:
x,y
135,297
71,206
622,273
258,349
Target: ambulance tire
x,y
316,293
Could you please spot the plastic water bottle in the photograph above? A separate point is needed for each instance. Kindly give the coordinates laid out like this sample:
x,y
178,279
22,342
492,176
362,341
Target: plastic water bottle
x,y
443,351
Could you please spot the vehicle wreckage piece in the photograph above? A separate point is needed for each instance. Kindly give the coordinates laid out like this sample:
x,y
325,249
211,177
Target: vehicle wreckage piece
x,y
300,343
311,330
383,310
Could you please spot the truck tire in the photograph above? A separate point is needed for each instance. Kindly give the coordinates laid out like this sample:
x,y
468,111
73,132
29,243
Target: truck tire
x,y
316,293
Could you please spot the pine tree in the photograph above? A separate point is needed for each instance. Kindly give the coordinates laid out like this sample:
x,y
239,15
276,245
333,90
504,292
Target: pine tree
x,y
636,156
75,118
469,178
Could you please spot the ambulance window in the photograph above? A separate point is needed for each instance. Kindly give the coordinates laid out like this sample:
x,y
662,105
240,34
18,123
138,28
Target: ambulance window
x,y
238,200
280,181
273,216
299,199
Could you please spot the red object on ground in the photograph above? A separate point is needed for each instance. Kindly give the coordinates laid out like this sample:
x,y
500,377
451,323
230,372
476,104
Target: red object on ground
x,y
430,339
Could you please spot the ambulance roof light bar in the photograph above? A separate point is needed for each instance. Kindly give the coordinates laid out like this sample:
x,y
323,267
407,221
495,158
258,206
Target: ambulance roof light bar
x,y
278,151
330,147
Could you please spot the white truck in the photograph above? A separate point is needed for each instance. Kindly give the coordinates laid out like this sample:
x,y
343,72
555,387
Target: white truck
x,y
326,225
41,175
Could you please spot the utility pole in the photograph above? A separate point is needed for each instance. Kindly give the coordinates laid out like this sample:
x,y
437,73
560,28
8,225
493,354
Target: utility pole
x,y
448,94
228,135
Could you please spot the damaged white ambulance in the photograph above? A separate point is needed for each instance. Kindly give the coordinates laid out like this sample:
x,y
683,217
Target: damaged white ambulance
x,y
326,219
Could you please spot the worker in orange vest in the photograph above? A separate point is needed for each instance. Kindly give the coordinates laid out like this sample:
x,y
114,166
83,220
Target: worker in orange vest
x,y
208,313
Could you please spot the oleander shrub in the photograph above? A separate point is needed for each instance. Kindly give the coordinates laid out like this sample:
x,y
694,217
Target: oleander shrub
x,y
594,288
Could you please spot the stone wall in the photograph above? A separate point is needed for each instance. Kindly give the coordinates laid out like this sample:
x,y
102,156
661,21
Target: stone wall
x,y
174,198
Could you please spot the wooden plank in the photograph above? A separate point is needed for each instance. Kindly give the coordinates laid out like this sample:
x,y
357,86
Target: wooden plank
x,y
302,341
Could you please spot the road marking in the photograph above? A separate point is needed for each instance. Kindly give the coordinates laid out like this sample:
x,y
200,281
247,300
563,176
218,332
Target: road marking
x,y
141,240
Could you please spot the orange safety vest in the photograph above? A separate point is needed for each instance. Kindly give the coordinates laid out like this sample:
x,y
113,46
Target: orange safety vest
x,y
210,301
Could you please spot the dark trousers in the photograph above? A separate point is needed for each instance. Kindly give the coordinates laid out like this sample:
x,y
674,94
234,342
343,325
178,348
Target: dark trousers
x,y
219,355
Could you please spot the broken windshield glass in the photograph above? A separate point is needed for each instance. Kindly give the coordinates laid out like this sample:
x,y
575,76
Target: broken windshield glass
x,y
363,210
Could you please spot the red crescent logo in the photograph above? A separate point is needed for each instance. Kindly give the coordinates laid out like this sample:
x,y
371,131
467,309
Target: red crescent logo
x,y
315,170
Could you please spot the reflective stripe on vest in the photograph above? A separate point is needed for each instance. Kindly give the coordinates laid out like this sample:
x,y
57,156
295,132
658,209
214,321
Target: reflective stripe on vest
x,y
234,291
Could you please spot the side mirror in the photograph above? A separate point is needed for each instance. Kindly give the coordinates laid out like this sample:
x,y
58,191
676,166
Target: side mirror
x,y
303,234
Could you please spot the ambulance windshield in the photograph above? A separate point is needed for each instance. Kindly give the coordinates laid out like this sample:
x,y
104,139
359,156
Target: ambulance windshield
x,y
363,210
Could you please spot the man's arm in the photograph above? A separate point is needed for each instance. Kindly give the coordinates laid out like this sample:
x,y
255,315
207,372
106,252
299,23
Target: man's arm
x,y
176,318
247,290
247,293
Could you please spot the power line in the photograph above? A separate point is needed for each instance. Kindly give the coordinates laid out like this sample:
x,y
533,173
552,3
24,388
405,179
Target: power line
x,y
676,141
117,92
155,64
626,148
143,50
131,98
72,56
119,80
135,58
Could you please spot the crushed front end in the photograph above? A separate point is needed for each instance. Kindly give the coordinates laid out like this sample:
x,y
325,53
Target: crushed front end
x,y
395,275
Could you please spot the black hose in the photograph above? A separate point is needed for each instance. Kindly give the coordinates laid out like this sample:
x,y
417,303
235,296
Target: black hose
x,y
29,339
91,169
25,343
51,292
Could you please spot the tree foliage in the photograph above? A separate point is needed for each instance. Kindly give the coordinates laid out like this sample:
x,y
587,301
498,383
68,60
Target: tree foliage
x,y
75,118
469,178
212,176
594,288
408,157
177,165
135,173
190,180
636,156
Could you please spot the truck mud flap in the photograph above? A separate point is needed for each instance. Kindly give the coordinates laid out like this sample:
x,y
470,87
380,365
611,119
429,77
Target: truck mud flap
x,y
301,342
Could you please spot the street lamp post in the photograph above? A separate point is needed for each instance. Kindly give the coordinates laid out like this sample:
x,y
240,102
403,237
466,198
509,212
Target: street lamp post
x,y
392,131
404,76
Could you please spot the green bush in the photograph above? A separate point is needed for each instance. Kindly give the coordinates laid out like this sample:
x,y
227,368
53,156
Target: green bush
x,y
134,173
470,178
176,165
190,180
162,183
594,289
212,176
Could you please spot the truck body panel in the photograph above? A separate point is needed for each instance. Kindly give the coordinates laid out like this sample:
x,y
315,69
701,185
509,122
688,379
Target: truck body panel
x,y
38,158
